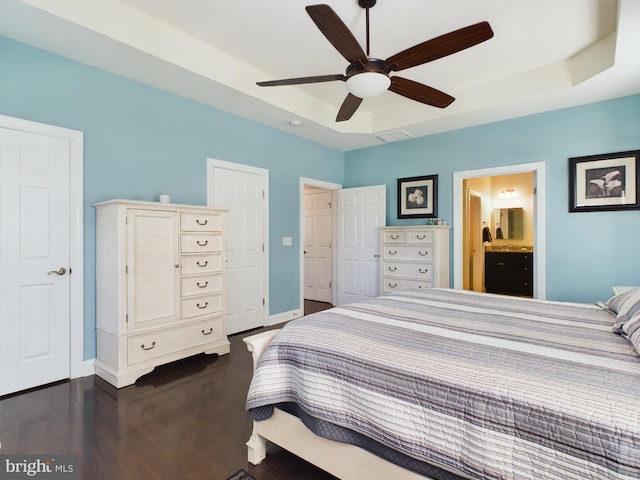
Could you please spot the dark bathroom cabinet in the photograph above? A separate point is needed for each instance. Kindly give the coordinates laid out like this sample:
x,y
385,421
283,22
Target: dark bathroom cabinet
x,y
509,272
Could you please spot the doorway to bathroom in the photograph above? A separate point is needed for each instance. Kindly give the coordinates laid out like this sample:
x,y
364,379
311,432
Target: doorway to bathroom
x,y
500,210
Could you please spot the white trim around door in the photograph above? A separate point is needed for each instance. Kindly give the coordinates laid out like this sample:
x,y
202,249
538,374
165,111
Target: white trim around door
x,y
539,270
77,366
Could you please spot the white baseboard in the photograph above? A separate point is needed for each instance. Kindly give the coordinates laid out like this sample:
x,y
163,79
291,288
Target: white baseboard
x,y
89,367
284,317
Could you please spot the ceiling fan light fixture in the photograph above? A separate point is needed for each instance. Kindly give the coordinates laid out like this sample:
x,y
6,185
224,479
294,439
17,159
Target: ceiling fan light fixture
x,y
368,84
368,77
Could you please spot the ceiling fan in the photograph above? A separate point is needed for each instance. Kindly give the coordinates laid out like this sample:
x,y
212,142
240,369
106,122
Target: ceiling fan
x,y
368,77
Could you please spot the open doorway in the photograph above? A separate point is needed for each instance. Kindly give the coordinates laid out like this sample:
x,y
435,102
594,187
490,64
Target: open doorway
x,y
318,244
317,226
480,197
473,266
356,216
497,248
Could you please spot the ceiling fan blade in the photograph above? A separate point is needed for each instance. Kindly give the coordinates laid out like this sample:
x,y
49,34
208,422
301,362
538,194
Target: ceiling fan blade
x,y
302,80
348,108
420,93
337,32
441,46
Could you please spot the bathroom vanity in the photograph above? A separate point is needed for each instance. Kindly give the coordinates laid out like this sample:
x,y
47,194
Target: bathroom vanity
x,y
509,270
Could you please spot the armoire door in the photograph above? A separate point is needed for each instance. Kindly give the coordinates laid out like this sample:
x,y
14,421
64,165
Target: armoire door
x,y
153,265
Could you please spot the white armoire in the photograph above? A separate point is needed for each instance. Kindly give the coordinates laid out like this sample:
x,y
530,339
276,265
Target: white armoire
x,y
160,280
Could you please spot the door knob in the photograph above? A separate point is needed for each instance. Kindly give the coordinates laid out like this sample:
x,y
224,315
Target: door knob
x,y
61,271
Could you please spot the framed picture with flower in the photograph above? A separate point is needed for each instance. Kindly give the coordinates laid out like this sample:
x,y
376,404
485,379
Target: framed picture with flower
x,y
605,182
418,197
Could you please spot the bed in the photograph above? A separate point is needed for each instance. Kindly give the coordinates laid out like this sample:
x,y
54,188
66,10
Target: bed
x,y
451,384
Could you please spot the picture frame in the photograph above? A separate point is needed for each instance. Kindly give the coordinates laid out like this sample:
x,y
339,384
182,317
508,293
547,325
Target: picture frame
x,y
418,197
605,182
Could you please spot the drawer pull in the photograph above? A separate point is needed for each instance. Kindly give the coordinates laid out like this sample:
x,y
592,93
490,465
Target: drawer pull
x,y
207,333
394,285
423,254
421,237
201,223
202,286
206,304
395,237
423,271
153,344
202,264
393,269
393,253
202,244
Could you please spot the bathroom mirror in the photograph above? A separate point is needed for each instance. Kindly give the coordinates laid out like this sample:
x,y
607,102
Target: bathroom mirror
x,y
508,223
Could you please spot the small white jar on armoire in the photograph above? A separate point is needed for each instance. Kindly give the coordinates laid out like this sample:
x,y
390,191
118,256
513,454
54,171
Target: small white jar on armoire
x,y
160,286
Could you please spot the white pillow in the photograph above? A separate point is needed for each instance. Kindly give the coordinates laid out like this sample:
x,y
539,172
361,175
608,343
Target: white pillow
x,y
626,305
632,330
615,303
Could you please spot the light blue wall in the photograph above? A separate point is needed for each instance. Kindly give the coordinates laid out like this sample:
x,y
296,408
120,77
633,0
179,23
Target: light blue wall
x,y
587,253
140,141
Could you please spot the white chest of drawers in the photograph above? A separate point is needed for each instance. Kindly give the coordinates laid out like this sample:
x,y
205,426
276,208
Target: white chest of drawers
x,y
414,257
160,281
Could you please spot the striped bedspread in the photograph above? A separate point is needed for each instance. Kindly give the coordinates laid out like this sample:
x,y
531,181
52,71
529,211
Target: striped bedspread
x,y
489,386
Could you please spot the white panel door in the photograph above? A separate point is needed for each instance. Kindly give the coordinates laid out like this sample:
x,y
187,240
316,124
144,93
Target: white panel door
x,y
34,259
318,259
361,211
242,193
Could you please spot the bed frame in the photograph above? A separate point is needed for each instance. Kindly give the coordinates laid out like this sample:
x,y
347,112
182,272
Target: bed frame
x,y
345,461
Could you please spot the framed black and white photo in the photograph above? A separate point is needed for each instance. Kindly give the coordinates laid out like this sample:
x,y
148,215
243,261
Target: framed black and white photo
x,y
418,197
604,182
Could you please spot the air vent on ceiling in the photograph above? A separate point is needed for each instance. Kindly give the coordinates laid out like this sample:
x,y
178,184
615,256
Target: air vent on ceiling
x,y
394,136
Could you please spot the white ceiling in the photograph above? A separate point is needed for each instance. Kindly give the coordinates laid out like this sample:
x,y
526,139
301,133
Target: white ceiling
x,y
546,54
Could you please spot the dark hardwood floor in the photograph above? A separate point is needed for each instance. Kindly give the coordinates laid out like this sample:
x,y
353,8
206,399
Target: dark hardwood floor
x,y
185,420
311,306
